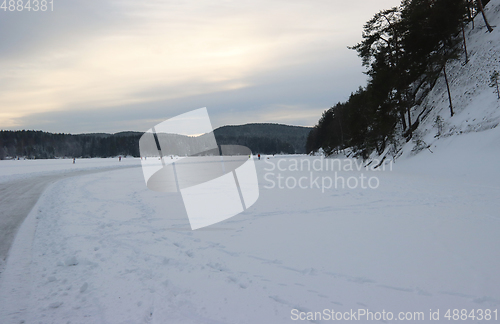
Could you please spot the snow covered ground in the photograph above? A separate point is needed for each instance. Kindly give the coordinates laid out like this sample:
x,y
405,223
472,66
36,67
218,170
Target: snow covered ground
x,y
102,248
23,181
22,169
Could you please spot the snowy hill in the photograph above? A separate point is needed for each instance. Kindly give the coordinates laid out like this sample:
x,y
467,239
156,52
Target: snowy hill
x,y
475,104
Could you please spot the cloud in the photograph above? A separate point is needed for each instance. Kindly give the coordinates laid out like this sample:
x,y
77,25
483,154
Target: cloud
x,y
94,58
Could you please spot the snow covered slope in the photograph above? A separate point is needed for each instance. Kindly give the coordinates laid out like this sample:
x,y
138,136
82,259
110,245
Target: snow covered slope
x,y
475,104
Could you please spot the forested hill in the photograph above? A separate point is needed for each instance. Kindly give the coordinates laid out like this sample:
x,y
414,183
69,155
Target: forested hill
x,y
433,71
43,145
265,138
260,138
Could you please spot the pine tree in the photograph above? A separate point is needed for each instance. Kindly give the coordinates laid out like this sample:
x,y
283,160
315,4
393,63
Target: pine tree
x,y
405,49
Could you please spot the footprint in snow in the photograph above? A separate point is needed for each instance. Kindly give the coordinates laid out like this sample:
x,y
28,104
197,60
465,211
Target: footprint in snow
x,y
84,287
55,305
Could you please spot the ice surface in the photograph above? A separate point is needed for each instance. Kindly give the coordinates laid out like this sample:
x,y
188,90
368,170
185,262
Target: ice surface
x,y
108,250
21,169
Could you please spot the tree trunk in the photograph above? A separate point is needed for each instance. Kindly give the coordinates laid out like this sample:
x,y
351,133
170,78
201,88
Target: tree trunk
x,y
410,128
448,88
480,7
401,109
341,134
465,46
403,119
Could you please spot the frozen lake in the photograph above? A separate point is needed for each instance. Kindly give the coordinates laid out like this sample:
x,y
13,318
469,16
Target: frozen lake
x,y
102,248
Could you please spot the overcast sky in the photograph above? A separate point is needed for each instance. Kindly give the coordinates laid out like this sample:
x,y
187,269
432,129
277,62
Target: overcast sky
x,y
114,65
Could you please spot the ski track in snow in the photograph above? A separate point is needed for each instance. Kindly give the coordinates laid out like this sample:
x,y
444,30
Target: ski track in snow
x,y
27,190
108,250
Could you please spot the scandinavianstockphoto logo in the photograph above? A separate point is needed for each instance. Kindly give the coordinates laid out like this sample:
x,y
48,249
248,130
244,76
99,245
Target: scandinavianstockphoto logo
x,y
182,155
324,174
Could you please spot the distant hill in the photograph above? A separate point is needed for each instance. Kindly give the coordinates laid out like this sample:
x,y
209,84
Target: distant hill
x,y
95,134
265,138
260,138
43,145
129,133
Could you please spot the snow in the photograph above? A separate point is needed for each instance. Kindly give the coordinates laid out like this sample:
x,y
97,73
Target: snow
x,y
21,169
471,157
23,181
102,248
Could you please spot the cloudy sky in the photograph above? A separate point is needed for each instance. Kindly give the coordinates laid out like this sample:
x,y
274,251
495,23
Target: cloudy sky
x,y
114,65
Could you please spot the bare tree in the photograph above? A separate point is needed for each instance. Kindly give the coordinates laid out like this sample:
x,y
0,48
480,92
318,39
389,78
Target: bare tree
x,y
465,46
448,88
480,8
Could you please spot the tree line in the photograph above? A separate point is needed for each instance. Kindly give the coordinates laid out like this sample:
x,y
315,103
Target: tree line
x,y
260,138
43,145
265,138
405,49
